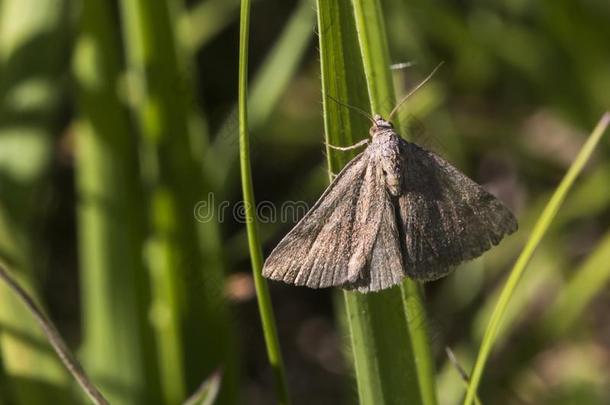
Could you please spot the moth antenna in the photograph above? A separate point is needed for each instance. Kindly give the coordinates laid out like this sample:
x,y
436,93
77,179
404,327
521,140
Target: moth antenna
x,y
358,110
419,86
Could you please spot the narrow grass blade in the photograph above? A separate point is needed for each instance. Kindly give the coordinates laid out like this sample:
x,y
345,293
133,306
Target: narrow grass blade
x,y
463,375
256,254
545,220
54,339
207,393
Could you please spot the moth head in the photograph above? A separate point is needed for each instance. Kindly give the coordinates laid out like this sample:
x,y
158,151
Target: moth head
x,y
380,124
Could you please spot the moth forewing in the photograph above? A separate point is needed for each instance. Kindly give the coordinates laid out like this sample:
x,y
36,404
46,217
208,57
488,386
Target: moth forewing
x,y
334,236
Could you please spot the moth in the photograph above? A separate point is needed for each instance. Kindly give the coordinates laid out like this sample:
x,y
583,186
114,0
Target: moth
x,y
396,210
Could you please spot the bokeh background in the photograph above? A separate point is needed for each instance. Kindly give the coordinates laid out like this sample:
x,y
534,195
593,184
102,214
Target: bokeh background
x,y
117,117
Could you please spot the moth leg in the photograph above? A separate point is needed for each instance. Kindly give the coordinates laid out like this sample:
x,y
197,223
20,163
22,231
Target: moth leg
x,y
346,148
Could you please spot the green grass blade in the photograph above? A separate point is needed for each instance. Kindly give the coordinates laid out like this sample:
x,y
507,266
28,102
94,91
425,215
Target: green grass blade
x,y
256,254
381,345
183,256
33,43
161,246
375,56
113,283
205,20
343,79
420,340
460,370
589,280
542,225
207,393
281,63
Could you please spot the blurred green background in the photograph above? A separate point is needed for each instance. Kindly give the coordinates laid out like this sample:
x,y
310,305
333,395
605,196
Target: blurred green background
x,y
118,117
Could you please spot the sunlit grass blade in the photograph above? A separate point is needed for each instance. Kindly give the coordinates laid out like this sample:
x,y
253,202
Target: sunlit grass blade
x,y
542,225
281,63
375,55
55,339
113,282
32,373
420,340
161,246
183,256
463,375
207,393
256,254
205,20
33,45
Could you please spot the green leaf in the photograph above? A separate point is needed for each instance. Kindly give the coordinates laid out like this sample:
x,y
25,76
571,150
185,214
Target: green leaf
x,y
542,225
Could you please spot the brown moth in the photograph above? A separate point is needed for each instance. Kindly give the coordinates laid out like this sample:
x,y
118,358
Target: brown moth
x,y
395,210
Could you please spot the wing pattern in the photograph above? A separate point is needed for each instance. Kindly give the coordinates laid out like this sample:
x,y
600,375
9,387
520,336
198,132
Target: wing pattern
x,y
446,217
332,244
